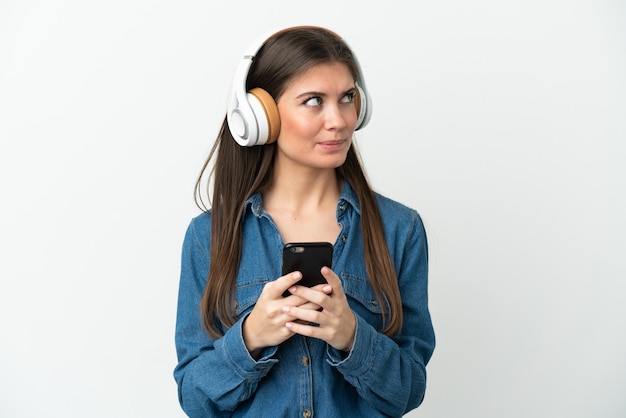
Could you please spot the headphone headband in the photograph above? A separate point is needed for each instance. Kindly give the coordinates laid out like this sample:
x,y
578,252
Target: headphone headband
x,y
252,116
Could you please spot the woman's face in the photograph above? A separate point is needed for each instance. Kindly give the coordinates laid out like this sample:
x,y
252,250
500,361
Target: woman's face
x,y
317,117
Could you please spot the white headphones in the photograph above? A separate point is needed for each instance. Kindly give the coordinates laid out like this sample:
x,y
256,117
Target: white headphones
x,y
253,117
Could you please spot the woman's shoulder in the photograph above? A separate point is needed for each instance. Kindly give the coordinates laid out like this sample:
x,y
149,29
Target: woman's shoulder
x,y
399,217
392,208
400,220
200,225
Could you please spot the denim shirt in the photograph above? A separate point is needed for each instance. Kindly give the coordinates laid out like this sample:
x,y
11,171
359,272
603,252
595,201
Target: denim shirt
x,y
304,377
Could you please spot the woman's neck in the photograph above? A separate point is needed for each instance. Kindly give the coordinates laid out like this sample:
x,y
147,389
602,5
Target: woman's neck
x,y
307,189
304,206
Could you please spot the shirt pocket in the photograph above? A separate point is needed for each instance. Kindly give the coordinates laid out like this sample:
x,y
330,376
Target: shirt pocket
x,y
248,293
362,299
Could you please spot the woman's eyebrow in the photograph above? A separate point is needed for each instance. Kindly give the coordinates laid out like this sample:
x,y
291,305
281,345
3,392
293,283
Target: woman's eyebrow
x,y
322,94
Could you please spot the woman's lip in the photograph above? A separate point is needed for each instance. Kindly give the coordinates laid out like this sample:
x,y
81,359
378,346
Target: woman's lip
x,y
333,142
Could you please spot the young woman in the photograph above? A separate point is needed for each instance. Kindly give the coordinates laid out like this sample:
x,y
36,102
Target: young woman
x,y
285,170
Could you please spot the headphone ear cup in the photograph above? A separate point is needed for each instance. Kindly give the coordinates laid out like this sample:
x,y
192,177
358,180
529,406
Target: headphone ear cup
x,y
266,114
363,107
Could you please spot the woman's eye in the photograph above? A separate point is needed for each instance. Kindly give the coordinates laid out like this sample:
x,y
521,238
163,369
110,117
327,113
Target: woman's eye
x,y
348,98
313,101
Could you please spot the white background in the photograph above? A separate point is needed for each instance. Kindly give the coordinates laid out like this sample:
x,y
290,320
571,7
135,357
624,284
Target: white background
x,y
501,122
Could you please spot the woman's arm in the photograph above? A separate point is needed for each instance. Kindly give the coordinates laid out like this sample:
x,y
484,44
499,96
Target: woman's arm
x,y
212,375
390,373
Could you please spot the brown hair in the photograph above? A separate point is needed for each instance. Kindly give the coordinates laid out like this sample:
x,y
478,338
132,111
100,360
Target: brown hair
x,y
238,172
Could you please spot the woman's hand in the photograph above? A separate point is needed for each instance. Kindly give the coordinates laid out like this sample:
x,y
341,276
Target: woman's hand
x,y
337,323
266,324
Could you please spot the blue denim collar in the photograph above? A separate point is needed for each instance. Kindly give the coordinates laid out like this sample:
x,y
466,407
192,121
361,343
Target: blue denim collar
x,y
347,197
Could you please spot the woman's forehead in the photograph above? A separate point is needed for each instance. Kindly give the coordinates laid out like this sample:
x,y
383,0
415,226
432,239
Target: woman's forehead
x,y
323,75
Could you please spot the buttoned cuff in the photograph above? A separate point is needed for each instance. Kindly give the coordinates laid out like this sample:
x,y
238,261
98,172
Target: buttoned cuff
x,y
239,357
360,357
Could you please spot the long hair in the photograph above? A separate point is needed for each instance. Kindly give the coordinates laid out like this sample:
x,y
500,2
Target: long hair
x,y
238,172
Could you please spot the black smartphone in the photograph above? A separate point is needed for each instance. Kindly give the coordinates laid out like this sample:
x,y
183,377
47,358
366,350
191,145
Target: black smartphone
x,y
307,258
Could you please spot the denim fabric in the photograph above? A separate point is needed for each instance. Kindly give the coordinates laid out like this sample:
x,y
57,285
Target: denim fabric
x,y
302,377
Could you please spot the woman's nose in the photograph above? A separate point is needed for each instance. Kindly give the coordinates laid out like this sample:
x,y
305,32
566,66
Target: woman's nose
x,y
335,117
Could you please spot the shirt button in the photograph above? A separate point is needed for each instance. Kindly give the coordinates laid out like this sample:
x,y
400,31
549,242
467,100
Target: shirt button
x,y
342,207
307,414
305,361
344,238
